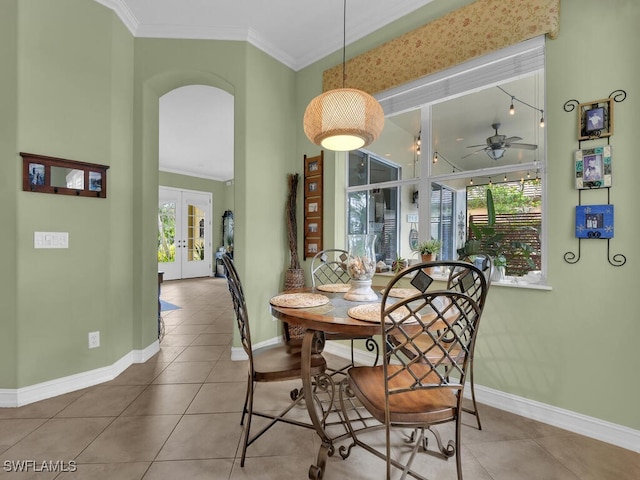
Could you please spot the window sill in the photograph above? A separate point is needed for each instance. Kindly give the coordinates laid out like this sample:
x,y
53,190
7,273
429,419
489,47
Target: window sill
x,y
520,282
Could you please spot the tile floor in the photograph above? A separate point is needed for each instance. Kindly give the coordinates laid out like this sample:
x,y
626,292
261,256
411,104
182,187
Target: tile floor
x,y
177,416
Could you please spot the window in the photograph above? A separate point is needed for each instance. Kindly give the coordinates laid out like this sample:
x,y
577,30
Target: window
x,y
471,142
373,202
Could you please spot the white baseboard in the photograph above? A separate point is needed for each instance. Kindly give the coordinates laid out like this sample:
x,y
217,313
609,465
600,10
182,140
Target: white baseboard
x,y
608,432
238,353
59,386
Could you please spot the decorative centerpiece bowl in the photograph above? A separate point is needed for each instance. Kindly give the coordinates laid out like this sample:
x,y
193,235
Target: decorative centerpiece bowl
x,y
361,265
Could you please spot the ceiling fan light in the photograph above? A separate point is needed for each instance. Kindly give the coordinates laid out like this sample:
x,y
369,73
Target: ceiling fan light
x,y
343,119
496,154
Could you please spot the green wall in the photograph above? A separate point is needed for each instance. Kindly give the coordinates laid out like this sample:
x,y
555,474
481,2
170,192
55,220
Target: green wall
x,y
558,346
77,85
74,100
9,182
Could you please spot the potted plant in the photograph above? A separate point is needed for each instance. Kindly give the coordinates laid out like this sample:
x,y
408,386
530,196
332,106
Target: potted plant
x,y
499,265
429,249
399,264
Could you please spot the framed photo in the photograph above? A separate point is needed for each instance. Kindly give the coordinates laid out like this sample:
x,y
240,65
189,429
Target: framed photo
x,y
36,174
592,167
311,247
313,186
594,221
313,207
313,228
95,181
313,166
595,119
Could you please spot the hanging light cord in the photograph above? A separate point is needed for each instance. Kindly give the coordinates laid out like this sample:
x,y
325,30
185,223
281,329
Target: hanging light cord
x,y
513,98
344,43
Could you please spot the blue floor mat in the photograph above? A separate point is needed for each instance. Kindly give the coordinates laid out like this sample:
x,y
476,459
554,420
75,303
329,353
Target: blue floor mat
x,y
166,306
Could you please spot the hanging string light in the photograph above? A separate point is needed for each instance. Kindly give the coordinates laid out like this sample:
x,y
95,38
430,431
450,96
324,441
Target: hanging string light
x,y
512,108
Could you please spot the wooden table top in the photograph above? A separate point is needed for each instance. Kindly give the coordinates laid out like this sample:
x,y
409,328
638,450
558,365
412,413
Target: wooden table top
x,y
331,317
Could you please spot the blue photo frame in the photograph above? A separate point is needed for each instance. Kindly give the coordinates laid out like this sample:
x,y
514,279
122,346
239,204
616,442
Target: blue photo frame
x,y
594,221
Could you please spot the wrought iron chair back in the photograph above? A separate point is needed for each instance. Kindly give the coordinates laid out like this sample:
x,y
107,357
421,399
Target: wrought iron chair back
x,y
428,341
329,266
239,306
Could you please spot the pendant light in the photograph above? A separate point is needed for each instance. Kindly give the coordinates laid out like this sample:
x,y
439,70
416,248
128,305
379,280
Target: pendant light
x,y
343,119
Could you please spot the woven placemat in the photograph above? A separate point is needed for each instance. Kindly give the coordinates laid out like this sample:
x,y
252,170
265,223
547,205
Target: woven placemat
x,y
334,287
299,300
370,312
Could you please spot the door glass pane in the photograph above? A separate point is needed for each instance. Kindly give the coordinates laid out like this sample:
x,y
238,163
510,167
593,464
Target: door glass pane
x,y
167,232
195,240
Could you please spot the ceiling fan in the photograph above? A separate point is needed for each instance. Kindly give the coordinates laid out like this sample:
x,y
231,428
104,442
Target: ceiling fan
x,y
497,145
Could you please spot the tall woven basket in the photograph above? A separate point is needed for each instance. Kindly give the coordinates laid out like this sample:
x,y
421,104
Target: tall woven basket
x,y
293,278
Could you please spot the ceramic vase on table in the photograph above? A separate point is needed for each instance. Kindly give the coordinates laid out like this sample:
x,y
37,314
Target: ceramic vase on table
x,y
361,265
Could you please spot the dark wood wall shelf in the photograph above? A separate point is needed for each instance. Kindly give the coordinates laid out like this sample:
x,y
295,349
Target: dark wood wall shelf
x,y
63,177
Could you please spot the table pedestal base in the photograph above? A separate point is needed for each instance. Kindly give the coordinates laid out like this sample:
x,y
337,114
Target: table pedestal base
x,y
361,291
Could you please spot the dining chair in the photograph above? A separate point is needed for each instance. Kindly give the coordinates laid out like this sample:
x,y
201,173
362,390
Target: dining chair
x,y
274,363
329,268
456,281
423,389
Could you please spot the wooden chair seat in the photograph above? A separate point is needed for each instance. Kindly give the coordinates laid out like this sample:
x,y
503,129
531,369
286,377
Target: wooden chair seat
x,y
277,362
434,406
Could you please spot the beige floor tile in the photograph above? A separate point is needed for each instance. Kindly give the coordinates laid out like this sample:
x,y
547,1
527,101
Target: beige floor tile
x,y
103,401
143,373
130,439
190,469
213,339
593,460
226,370
42,409
185,372
14,430
176,340
203,436
275,468
58,439
519,459
107,471
163,400
201,353
219,398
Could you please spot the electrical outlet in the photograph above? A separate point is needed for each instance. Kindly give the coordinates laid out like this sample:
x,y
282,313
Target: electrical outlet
x,y
94,339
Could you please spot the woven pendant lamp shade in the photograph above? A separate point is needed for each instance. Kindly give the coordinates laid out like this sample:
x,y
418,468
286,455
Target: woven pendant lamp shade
x,y
343,119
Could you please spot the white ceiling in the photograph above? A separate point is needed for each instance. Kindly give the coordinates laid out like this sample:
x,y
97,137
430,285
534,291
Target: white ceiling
x,y
196,122
194,127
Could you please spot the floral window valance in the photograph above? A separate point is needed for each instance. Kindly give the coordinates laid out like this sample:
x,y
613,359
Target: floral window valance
x,y
479,28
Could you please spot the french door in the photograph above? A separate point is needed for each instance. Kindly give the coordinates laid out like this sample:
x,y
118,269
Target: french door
x,y
184,233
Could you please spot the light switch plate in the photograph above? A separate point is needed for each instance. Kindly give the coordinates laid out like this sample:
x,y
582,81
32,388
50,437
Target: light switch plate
x,y
50,239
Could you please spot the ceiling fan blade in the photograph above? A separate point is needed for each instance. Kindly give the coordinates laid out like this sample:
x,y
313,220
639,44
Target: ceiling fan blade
x,y
476,146
473,153
512,139
524,146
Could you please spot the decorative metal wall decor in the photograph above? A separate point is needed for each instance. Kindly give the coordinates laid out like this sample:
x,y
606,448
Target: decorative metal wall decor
x,y
592,170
